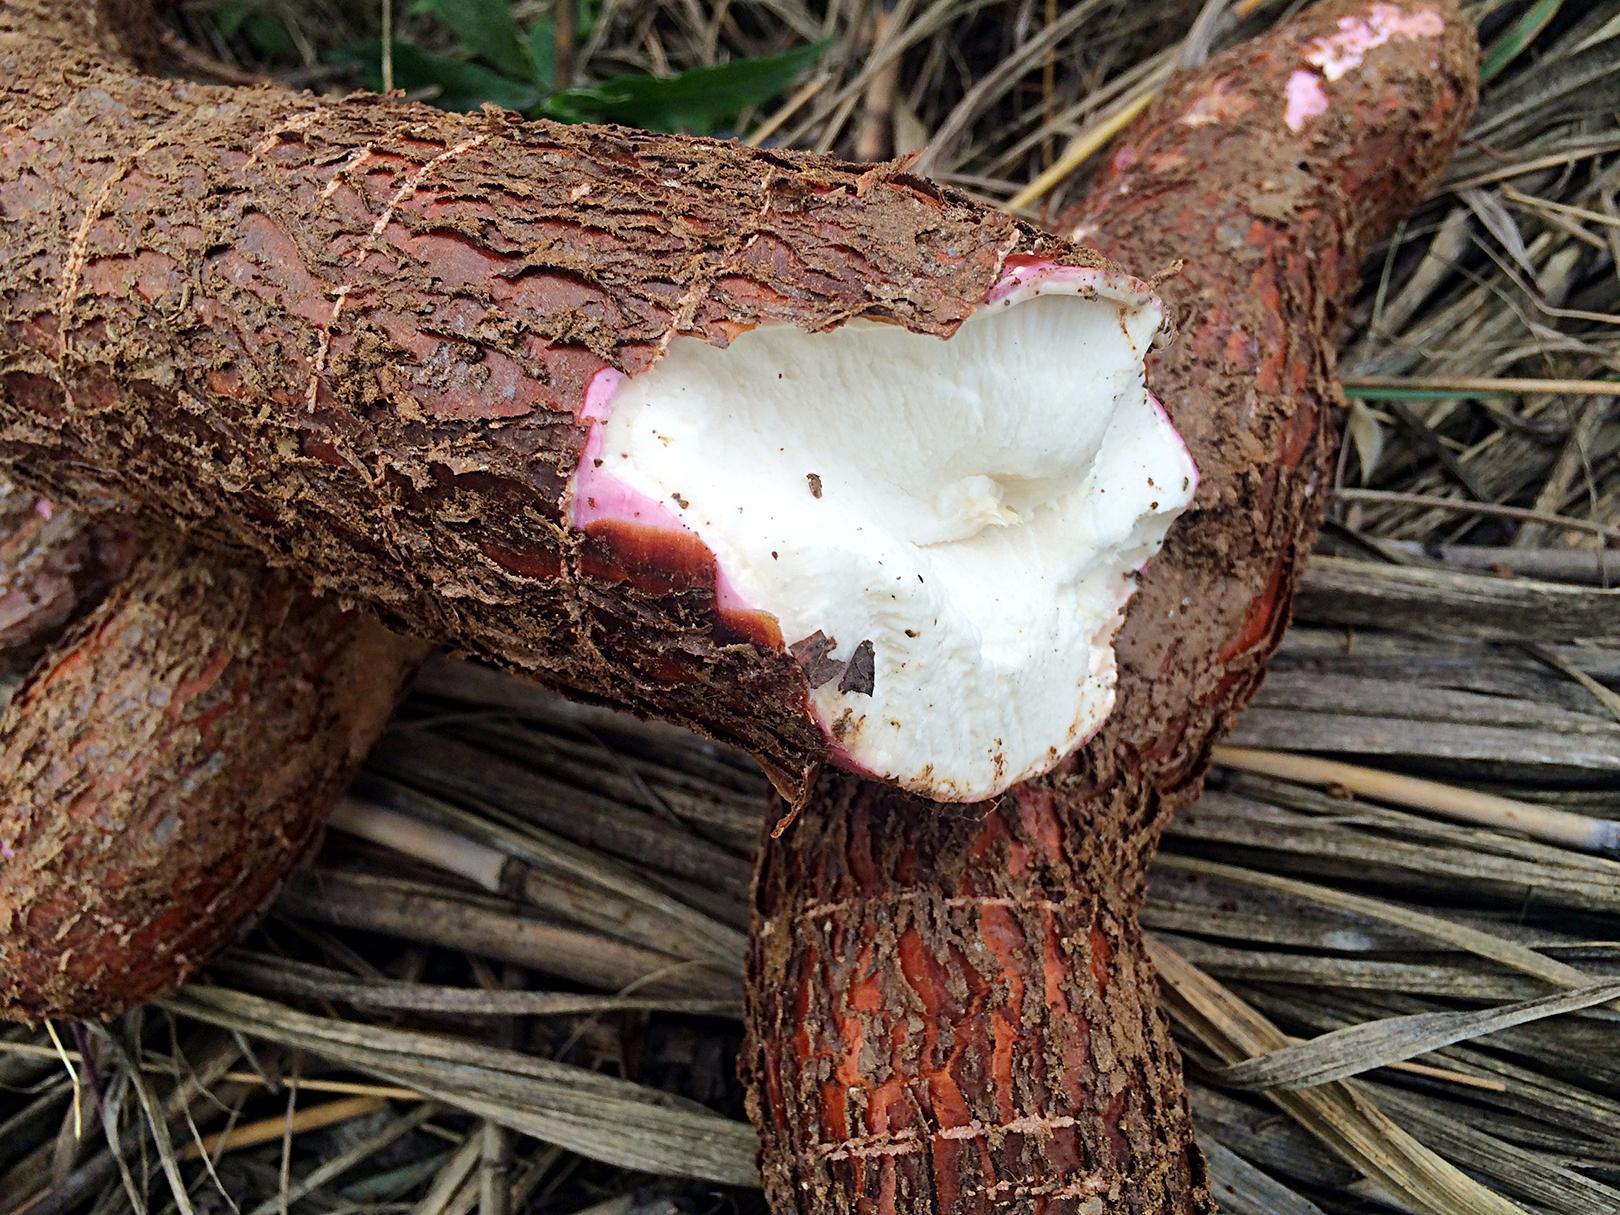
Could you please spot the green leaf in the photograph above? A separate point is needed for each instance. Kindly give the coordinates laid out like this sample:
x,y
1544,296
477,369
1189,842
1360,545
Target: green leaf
x,y
699,99
269,37
585,18
450,84
264,34
485,27
228,18
543,52
1512,44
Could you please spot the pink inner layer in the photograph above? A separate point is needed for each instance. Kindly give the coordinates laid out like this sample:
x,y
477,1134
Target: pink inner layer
x,y
599,495
1031,278
1338,54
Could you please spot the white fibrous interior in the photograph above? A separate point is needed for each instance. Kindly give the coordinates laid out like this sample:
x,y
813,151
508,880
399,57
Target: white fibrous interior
x,y
968,512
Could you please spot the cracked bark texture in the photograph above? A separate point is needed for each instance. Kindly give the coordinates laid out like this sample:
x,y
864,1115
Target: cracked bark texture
x,y
355,337
950,1009
168,759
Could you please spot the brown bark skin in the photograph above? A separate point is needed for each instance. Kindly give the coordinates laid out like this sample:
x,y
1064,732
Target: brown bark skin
x,y
355,337
53,564
950,1008
167,761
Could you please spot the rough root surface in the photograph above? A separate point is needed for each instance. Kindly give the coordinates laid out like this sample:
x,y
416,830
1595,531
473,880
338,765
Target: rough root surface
x,y
355,337
167,762
950,1010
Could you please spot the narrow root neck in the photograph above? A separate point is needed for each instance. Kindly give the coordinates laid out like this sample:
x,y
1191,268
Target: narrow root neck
x,y
951,1012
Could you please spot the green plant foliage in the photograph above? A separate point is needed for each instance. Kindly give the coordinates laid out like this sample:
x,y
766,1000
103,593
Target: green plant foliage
x,y
448,82
699,99
1510,45
264,33
542,48
486,28
507,65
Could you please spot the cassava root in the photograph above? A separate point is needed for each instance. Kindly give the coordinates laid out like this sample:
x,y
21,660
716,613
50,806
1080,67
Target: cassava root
x,y
356,338
360,338
950,1009
168,757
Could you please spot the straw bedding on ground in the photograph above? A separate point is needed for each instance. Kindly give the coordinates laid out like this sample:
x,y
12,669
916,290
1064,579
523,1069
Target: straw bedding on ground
x,y
1364,947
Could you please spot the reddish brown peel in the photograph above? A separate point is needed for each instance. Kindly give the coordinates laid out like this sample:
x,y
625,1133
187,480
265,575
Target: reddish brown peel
x,y
950,1008
167,762
357,337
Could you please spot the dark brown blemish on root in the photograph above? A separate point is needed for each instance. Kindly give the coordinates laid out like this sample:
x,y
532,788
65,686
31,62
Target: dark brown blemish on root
x,y
846,725
815,484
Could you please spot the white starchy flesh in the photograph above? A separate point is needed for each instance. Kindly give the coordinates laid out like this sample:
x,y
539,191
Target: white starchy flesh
x,y
975,508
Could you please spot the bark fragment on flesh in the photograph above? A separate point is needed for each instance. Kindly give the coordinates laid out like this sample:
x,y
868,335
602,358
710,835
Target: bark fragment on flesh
x,y
951,1012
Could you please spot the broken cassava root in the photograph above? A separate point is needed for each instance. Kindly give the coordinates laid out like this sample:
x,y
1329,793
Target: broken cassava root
x,y
607,407
950,1009
168,759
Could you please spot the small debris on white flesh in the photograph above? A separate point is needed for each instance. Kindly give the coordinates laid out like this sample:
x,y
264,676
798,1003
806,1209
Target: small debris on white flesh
x,y
962,518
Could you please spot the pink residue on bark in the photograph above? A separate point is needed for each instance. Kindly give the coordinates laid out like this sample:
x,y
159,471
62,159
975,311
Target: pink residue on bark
x,y
1336,55
1306,99
1343,52
598,494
